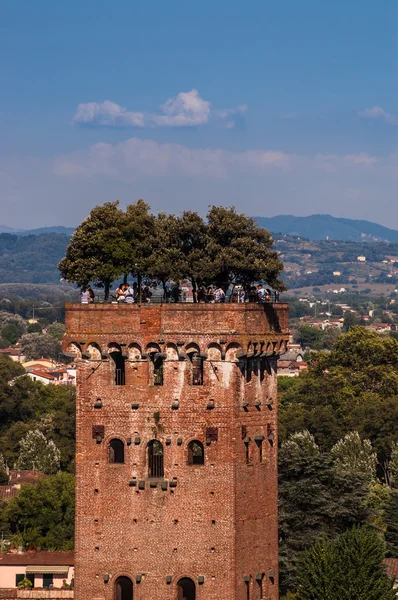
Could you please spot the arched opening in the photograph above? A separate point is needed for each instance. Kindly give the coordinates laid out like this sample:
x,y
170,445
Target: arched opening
x,y
155,459
118,366
186,589
157,368
123,588
116,451
196,453
197,368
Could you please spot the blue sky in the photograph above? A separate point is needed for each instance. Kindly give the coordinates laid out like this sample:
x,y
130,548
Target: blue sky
x,y
273,106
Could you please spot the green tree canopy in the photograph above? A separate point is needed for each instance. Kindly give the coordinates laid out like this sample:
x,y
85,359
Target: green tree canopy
x,y
314,499
43,513
352,388
229,248
40,345
349,567
99,250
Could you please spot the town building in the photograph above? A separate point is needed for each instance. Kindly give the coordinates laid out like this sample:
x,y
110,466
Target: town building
x,y
43,569
176,456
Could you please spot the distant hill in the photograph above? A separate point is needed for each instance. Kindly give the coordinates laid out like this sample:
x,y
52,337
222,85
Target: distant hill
x,y
31,258
321,227
54,229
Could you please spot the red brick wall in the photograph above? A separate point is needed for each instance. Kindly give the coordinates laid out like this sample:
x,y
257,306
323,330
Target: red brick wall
x,y
220,521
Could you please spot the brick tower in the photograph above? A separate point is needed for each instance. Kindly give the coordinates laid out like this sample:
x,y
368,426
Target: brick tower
x,y
176,457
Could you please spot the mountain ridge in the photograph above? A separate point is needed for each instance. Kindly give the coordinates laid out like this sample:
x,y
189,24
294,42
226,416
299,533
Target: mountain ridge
x,y
320,227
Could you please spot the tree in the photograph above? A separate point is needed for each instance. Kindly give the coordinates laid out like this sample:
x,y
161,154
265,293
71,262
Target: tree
x,y
353,387
350,320
42,515
36,452
352,455
391,521
393,465
308,336
140,235
56,330
9,333
229,249
99,250
239,250
349,567
4,479
314,499
39,345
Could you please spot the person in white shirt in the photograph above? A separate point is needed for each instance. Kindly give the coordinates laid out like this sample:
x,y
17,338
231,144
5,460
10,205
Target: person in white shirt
x,y
261,293
129,295
84,295
219,295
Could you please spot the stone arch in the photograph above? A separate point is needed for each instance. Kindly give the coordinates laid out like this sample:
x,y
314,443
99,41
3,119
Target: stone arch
x,y
214,352
116,451
134,351
114,347
192,348
196,453
232,351
75,349
152,347
123,588
155,459
171,351
186,589
94,351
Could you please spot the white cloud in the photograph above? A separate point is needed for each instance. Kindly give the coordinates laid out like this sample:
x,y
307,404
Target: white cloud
x,y
360,159
108,114
187,109
136,158
376,112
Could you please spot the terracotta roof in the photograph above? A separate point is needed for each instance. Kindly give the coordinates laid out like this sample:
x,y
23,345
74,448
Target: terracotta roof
x,y
24,476
11,351
37,558
392,567
41,373
7,491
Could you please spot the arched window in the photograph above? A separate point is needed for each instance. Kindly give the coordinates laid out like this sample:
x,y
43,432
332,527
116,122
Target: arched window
x,y
157,360
155,459
123,588
119,368
197,368
196,453
186,589
116,451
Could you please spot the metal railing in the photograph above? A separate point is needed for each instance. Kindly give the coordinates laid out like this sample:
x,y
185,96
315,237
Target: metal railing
x,y
272,298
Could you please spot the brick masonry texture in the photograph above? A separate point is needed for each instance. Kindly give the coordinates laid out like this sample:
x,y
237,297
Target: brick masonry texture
x,y
214,523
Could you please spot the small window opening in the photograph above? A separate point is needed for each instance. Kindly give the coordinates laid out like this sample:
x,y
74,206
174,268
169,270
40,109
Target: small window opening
x,y
123,588
116,451
260,585
260,451
247,449
186,589
247,590
157,362
155,459
120,371
196,453
249,370
197,369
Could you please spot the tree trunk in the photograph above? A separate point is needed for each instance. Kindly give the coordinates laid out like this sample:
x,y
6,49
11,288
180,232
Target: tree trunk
x,y
194,290
139,281
107,287
125,278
